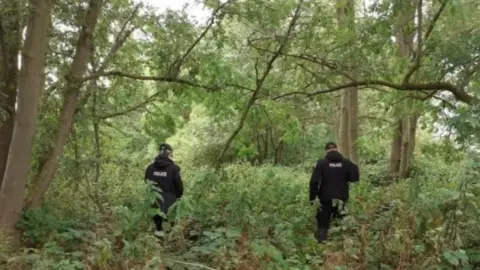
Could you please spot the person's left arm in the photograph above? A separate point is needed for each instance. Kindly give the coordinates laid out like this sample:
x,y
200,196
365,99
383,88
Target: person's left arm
x,y
315,181
177,180
353,172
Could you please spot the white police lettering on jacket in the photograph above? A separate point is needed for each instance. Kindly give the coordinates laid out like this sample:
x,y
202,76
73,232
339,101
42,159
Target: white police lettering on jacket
x,y
335,165
160,174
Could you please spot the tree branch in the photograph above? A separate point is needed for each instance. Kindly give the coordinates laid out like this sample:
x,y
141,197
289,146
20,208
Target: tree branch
x,y
259,84
120,40
434,20
211,21
421,40
149,78
459,94
171,77
135,107
418,52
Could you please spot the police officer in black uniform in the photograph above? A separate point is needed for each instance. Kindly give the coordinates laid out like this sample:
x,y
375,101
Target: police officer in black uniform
x,y
330,181
165,174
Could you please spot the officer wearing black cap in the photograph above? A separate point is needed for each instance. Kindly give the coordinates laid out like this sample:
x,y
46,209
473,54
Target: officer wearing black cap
x,y
330,181
165,174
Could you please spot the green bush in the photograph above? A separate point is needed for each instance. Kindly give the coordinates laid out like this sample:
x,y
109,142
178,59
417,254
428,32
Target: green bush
x,y
260,216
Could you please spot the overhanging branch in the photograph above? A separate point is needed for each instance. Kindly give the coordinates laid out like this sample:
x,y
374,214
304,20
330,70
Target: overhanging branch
x,y
135,107
149,78
459,94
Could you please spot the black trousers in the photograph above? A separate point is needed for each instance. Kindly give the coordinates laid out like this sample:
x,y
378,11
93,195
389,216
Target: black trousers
x,y
326,213
158,223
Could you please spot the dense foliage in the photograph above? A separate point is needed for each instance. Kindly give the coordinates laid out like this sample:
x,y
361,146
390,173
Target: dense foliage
x,y
247,99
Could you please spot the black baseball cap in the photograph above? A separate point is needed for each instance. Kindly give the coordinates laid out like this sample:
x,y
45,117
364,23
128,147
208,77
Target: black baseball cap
x,y
330,145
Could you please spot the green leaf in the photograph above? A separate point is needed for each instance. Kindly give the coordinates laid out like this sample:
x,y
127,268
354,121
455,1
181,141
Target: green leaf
x,y
451,258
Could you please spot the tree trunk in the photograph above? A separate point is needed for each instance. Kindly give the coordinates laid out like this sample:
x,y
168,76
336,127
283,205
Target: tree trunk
x,y
344,136
402,145
349,113
65,119
266,148
337,113
353,124
396,150
10,42
279,152
408,145
29,84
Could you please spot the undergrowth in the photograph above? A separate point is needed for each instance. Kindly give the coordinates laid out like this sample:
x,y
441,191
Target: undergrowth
x,y
246,217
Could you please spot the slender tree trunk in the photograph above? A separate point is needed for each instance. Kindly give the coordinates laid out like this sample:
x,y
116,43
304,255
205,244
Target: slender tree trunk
x,y
10,42
279,152
353,124
259,147
402,144
337,113
349,113
396,150
344,142
408,145
65,119
29,84
266,149
404,158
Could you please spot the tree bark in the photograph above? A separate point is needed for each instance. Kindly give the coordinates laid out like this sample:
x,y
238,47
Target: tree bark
x,y
10,42
79,65
29,85
279,152
353,124
344,136
408,145
396,150
348,133
402,144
